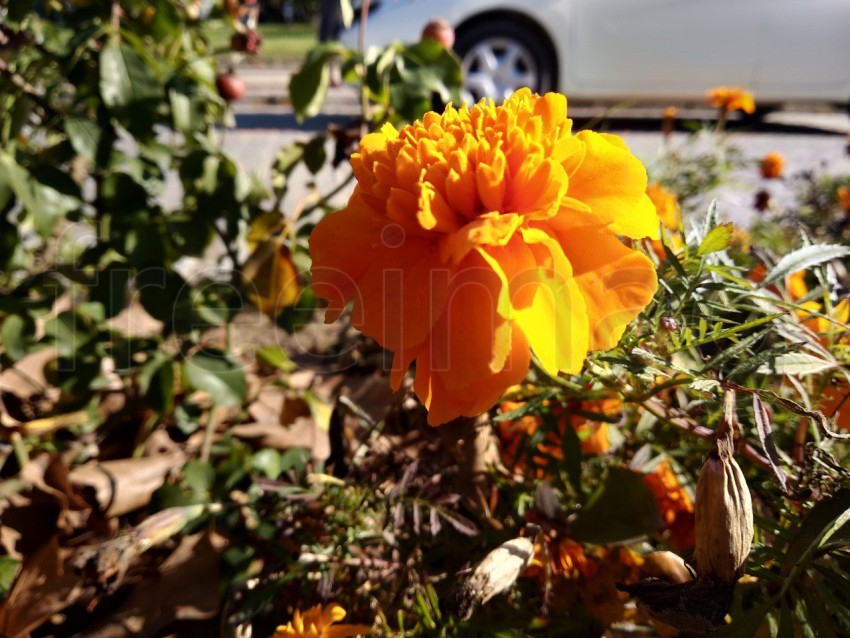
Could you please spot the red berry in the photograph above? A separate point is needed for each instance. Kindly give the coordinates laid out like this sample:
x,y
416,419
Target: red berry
x,y
441,31
230,87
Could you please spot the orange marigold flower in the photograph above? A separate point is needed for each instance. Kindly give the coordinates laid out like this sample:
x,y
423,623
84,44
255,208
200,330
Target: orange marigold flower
x,y
567,558
731,99
669,214
480,233
668,120
771,165
316,623
839,314
835,404
675,505
593,435
843,193
665,205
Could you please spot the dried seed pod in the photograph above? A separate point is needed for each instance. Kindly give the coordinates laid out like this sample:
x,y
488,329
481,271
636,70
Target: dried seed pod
x,y
493,575
724,515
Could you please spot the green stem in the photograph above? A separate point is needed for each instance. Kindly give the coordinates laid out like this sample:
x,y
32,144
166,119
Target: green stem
x,y
20,449
364,91
209,432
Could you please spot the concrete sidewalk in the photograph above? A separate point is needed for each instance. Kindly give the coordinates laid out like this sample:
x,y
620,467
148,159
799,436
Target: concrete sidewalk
x,y
268,85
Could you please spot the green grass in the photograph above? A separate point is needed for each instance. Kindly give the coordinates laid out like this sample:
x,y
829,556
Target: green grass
x,y
285,42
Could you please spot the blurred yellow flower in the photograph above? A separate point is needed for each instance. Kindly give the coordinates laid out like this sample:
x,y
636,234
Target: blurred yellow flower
x,y
479,234
771,165
316,623
731,99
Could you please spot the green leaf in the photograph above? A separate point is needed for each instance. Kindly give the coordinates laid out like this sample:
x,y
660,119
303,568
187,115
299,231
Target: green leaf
x,y
55,195
218,375
803,259
622,508
19,9
199,477
347,13
275,357
156,382
797,363
718,238
822,521
69,332
125,77
314,153
746,625
111,287
187,417
816,616
85,136
309,85
786,622
16,335
268,462
8,572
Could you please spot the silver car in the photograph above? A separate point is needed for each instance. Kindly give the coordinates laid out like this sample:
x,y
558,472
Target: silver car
x,y
781,50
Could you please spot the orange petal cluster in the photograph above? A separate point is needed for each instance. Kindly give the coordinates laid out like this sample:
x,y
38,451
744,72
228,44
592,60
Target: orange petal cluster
x,y
771,165
843,194
834,399
731,99
675,505
316,623
593,435
480,234
671,219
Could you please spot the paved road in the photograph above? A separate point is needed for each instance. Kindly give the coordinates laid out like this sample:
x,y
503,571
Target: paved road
x,y
810,140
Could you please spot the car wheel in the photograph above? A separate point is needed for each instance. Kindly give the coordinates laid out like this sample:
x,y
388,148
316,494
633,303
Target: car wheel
x,y
499,57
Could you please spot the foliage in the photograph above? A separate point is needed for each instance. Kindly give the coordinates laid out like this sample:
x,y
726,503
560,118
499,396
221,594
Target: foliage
x,y
250,474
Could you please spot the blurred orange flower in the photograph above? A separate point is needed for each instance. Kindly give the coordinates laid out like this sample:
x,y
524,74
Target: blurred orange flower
x,y
476,235
671,220
668,120
731,99
839,314
593,435
316,623
835,403
843,193
771,165
675,505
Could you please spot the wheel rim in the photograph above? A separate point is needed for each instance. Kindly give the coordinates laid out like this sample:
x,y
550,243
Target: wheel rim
x,y
496,67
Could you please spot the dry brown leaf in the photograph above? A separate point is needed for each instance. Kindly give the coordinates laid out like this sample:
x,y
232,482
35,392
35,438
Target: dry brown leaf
x,y
186,587
45,586
122,486
26,378
47,504
302,433
134,321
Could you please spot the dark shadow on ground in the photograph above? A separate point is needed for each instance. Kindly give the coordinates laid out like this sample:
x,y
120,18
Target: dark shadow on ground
x,y
733,126
287,121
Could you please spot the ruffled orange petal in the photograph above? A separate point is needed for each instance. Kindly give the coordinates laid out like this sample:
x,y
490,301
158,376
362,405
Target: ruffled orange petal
x,y
549,307
612,182
401,294
336,245
615,281
445,402
472,338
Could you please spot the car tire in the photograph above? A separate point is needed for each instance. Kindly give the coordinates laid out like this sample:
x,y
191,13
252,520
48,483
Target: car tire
x,y
499,57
